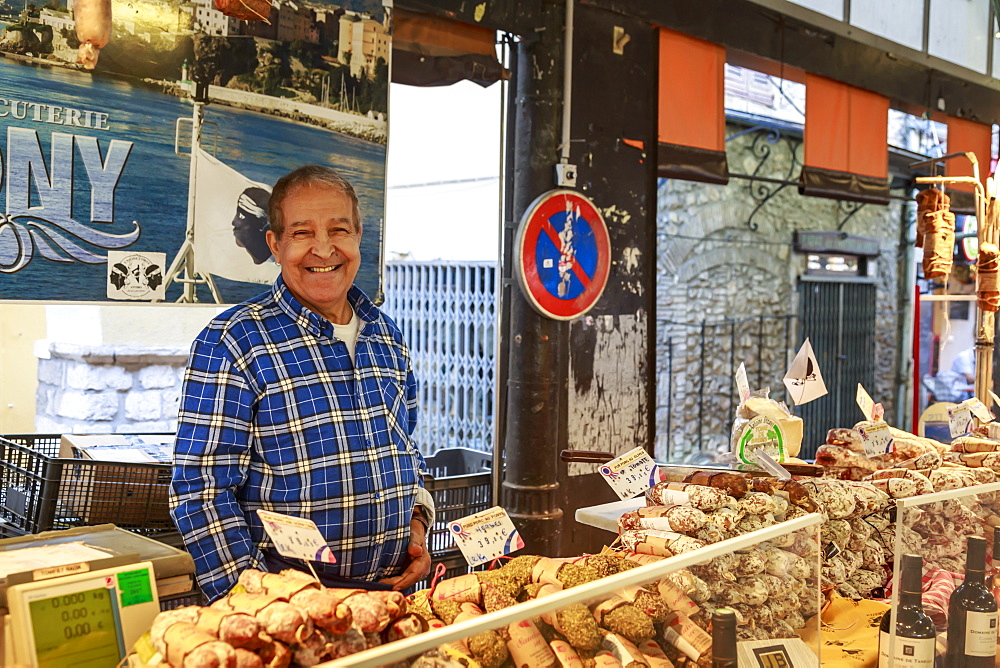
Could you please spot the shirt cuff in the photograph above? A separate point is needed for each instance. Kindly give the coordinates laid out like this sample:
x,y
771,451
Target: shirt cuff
x,y
426,502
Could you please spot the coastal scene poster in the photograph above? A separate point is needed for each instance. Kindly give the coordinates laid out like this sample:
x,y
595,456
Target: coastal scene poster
x,y
104,163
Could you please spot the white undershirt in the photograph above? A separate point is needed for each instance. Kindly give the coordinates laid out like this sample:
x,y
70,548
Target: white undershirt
x,y
349,333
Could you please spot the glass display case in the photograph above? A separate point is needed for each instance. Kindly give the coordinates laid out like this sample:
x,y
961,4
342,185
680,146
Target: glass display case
x,y
770,577
937,528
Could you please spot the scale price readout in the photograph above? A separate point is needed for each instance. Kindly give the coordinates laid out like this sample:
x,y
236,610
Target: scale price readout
x,y
89,620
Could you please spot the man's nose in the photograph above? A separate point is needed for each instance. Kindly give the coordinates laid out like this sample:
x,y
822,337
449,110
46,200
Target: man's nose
x,y
325,247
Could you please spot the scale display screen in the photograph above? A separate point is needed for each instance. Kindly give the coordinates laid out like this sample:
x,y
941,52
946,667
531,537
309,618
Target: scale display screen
x,y
77,629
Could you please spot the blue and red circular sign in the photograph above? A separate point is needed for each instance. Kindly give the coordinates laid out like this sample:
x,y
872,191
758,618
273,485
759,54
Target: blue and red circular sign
x,y
563,254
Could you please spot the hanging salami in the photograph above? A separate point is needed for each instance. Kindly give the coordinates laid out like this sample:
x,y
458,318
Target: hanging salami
x,y
246,10
93,29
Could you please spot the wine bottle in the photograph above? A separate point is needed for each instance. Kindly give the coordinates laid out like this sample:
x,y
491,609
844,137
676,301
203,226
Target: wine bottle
x,y
972,614
915,636
995,566
724,638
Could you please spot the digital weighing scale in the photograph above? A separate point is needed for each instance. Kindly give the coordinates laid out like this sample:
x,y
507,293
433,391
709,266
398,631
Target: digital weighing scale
x,y
82,596
88,620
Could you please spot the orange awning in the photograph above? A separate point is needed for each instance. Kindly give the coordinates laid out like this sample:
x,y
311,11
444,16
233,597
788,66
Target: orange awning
x,y
691,121
846,153
965,136
434,51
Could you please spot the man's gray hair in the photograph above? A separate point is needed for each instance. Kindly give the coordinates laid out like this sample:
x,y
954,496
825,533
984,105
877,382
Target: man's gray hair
x,y
309,175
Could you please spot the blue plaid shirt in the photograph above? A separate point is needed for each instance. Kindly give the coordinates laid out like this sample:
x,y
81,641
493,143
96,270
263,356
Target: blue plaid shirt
x,y
274,415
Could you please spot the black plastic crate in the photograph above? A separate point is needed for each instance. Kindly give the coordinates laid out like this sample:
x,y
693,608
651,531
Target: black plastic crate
x,y
40,491
194,597
461,485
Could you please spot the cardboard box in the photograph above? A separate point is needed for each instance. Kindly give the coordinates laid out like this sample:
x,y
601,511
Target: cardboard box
x,y
120,448
109,482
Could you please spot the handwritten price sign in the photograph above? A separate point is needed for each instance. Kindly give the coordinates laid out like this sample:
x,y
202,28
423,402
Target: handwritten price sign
x,y
486,535
295,537
876,437
631,474
960,416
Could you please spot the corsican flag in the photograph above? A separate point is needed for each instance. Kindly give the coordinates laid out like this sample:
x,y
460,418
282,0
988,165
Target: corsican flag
x,y
230,221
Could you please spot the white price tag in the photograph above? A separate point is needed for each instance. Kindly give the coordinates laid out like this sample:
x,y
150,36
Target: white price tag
x,y
631,474
486,535
295,537
980,410
876,437
960,419
872,411
742,383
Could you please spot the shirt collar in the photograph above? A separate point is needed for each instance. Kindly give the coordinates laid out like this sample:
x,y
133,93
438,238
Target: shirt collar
x,y
314,322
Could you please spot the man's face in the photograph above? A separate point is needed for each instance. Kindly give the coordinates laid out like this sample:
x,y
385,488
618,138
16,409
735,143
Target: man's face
x,y
249,225
319,249
242,227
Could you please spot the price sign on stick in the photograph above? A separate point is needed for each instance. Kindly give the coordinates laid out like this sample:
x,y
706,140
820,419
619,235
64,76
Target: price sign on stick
x,y
295,537
486,535
996,399
979,410
631,474
876,437
742,383
873,411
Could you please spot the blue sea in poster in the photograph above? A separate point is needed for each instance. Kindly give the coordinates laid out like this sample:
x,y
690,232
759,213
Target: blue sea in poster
x,y
153,188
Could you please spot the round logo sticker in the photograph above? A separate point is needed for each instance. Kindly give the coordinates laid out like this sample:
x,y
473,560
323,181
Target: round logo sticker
x,y
136,275
761,433
563,254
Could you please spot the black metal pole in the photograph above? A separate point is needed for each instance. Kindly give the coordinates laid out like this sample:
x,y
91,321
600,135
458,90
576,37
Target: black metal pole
x,y
505,282
760,352
732,365
670,389
788,342
538,357
701,387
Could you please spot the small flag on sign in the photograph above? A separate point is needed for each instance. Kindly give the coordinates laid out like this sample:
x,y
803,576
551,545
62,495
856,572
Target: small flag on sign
x,y
804,381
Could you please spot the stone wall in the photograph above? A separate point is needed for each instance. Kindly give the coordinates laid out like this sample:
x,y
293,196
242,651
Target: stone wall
x,y
724,262
109,389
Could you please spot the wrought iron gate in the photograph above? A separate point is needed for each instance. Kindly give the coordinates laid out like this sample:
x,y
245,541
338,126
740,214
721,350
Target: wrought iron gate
x,y
696,368
447,312
839,319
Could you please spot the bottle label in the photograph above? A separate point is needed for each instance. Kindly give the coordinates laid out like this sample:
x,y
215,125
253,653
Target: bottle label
x,y
908,652
980,633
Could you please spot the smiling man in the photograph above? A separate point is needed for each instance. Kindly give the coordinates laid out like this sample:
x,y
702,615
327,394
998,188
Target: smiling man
x,y
302,401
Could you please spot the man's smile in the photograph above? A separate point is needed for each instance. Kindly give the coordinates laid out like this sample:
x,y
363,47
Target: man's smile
x,y
323,270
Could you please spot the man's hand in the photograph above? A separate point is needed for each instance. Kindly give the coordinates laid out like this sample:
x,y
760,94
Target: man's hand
x,y
420,559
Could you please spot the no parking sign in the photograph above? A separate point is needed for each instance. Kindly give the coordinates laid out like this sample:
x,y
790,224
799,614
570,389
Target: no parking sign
x,y
563,254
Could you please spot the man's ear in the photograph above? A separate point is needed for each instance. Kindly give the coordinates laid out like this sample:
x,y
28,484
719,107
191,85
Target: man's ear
x,y
272,243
